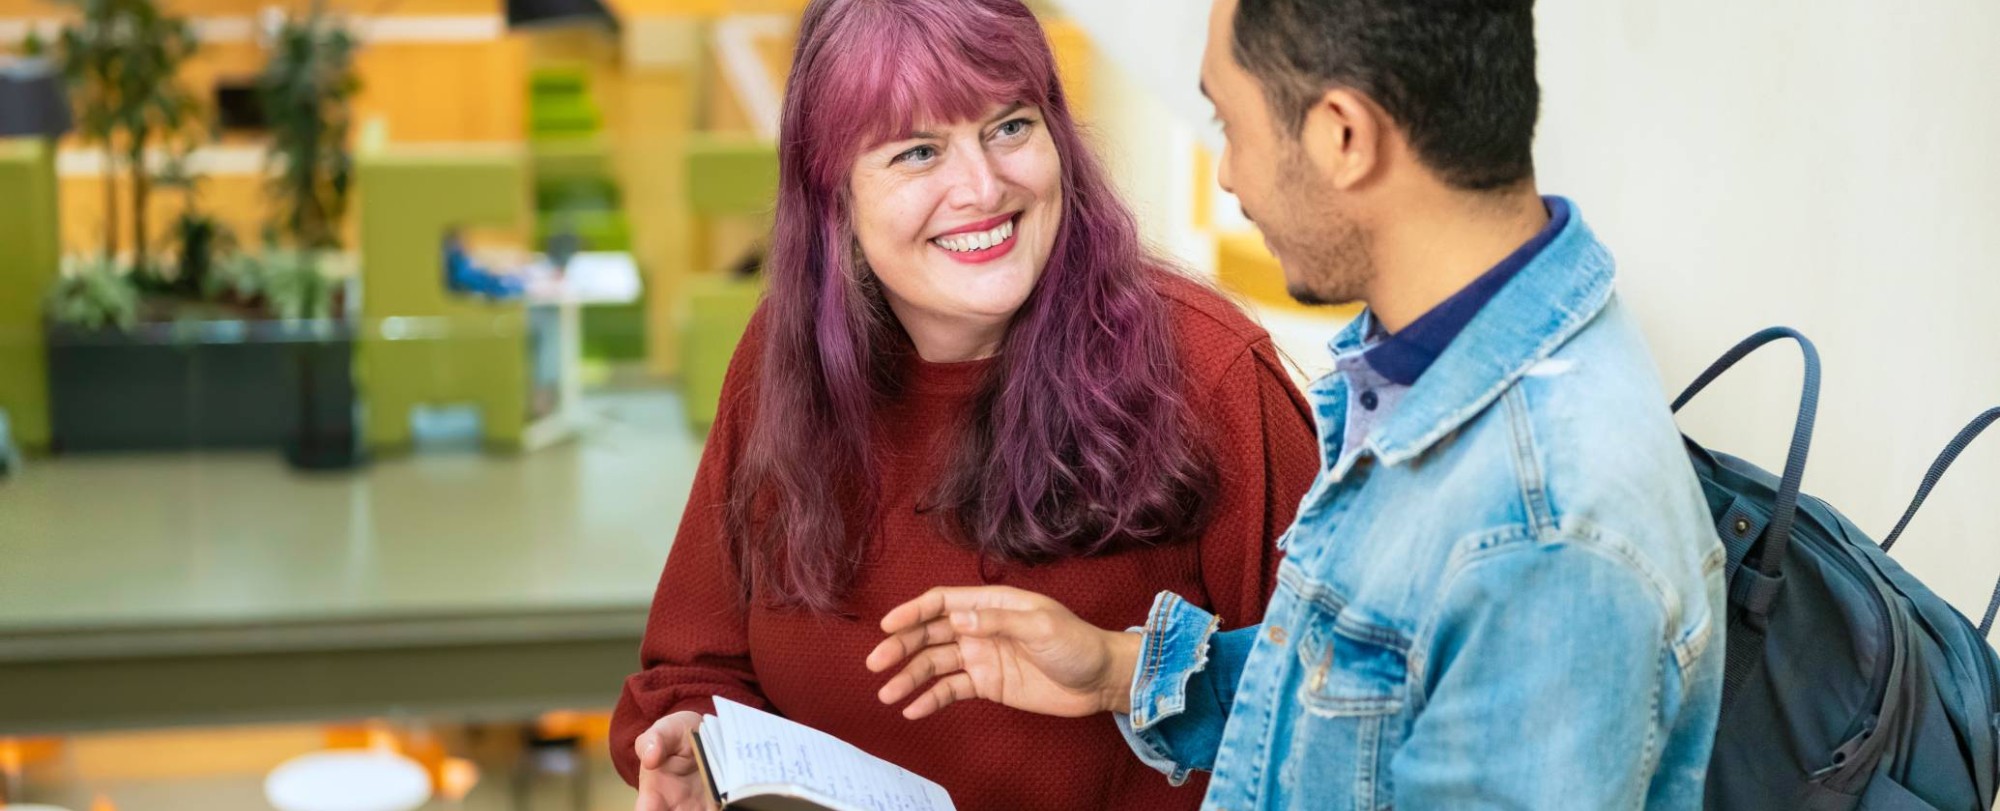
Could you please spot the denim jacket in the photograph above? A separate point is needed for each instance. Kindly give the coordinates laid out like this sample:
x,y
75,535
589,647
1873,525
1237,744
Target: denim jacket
x,y
1509,595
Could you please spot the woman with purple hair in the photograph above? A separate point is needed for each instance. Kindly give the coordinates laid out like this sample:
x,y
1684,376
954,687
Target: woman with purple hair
x,y
967,370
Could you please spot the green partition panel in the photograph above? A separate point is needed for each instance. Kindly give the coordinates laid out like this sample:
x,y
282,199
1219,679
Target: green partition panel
x,y
718,311
30,259
421,344
576,192
559,103
727,176
730,175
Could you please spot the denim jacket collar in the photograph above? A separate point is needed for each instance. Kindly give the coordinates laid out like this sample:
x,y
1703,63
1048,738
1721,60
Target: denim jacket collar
x,y
1559,292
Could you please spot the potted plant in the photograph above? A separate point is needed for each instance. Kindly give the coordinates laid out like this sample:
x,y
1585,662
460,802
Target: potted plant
x,y
200,240
93,295
307,90
207,345
123,60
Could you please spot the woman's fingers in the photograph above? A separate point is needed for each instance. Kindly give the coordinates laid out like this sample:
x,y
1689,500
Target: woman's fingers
x,y
649,792
650,749
666,739
908,643
925,666
947,691
680,766
673,786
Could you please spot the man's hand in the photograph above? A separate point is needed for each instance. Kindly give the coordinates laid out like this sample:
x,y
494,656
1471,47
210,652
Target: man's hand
x,y
668,777
1004,645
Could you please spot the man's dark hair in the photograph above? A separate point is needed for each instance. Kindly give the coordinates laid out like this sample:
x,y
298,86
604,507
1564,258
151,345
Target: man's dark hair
x,y
1458,76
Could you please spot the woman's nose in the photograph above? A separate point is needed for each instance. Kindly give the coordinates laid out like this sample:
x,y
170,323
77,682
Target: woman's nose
x,y
977,184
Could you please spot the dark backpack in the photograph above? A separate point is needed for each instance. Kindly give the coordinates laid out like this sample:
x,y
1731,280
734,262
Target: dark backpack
x,y
1848,684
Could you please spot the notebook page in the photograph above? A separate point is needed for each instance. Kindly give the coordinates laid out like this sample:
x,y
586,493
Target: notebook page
x,y
715,749
764,748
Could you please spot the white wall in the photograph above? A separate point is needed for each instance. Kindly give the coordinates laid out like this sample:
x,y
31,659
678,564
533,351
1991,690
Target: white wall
x,y
1833,165
1149,152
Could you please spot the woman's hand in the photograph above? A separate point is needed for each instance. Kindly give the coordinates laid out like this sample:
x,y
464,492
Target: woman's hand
x,y
668,777
1004,645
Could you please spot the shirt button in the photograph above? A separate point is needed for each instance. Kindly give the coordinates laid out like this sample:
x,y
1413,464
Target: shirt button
x,y
1369,400
1276,633
1318,681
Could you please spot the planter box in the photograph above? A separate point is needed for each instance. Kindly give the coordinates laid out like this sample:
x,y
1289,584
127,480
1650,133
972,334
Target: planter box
x,y
201,385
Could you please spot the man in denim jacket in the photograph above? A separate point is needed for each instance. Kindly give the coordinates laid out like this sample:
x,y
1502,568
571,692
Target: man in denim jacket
x,y
1504,589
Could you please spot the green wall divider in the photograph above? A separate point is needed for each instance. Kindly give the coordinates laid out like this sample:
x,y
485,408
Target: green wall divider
x,y
30,261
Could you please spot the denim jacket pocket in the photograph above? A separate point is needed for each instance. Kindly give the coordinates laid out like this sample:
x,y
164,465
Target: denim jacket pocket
x,y
1352,685
1345,673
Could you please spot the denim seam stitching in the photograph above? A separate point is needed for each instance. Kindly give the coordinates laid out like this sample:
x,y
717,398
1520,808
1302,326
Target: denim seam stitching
x,y
1652,753
1344,624
1154,631
1581,536
1527,464
1681,641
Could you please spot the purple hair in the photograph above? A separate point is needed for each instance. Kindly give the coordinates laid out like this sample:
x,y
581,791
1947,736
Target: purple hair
x,y
1082,439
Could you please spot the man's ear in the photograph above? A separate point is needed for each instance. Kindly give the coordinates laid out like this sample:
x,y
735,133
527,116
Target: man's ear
x,y
1343,136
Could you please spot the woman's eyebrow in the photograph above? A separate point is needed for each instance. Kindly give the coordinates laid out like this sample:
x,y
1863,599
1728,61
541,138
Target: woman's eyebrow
x,y
1011,109
926,135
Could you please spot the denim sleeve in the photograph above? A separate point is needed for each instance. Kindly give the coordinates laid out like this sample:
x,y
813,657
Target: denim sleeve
x,y
1545,676
1183,686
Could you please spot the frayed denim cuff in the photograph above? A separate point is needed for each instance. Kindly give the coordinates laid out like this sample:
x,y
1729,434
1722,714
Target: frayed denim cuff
x,y
1173,649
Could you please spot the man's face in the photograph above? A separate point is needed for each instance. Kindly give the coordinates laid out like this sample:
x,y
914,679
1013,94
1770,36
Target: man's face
x,y
1304,218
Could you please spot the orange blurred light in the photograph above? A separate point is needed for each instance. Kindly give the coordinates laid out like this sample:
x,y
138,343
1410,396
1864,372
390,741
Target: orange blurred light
x,y
383,740
588,726
456,778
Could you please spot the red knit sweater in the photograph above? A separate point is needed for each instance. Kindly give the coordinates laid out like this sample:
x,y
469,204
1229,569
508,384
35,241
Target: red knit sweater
x,y
701,642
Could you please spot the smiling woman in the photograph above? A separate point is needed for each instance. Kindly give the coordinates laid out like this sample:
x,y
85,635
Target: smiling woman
x,y
967,370
945,209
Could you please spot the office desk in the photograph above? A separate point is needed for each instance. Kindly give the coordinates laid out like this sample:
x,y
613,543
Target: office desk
x,y
203,589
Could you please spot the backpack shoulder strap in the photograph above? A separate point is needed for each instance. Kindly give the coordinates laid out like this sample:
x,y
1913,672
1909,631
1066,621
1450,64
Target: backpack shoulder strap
x,y
1778,535
1958,445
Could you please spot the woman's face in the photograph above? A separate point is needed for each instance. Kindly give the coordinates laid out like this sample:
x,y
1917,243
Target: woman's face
x,y
957,221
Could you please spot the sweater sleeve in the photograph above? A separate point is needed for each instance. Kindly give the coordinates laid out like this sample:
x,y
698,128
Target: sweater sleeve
x,y
696,644
1266,452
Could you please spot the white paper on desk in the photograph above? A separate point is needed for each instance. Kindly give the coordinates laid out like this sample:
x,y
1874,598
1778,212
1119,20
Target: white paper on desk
x,y
603,277
747,748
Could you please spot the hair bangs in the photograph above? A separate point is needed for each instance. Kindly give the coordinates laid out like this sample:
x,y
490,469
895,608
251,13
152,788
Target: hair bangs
x,y
906,72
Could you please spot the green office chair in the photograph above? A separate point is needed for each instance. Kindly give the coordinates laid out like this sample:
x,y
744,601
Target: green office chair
x,y
727,177
421,345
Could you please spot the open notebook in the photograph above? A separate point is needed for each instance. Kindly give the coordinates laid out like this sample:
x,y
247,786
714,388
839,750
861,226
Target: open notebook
x,y
756,761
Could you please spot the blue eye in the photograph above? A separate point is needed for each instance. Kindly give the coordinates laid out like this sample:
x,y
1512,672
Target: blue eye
x,y
917,153
1016,127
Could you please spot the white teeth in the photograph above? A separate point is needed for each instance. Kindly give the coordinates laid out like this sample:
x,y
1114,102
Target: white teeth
x,y
965,243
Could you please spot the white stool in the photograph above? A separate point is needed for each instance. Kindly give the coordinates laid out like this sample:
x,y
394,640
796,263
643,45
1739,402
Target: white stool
x,y
348,780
